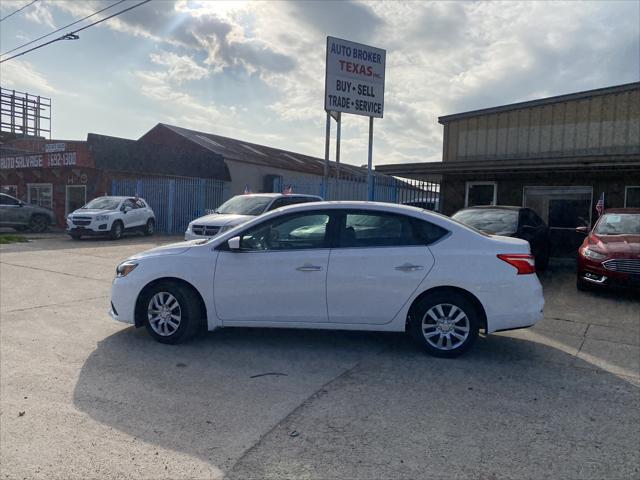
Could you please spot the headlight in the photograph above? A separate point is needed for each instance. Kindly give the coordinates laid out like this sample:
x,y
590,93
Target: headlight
x,y
125,268
102,218
593,255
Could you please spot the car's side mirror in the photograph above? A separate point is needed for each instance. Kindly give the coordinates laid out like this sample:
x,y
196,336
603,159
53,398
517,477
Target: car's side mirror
x,y
234,243
127,209
583,230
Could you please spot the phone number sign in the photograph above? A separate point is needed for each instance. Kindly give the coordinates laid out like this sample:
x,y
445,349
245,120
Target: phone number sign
x,y
354,79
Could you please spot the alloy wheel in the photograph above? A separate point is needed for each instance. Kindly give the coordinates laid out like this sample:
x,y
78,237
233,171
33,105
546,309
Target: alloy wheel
x,y
445,326
164,314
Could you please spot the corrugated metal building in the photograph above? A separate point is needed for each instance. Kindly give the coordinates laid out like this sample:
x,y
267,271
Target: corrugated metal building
x,y
556,155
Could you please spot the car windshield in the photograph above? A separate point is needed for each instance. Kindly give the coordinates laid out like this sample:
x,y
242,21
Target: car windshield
x,y
103,203
619,224
244,205
494,221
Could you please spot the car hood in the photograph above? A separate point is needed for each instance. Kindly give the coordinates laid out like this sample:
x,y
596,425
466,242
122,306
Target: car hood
x,y
170,249
617,244
91,211
220,219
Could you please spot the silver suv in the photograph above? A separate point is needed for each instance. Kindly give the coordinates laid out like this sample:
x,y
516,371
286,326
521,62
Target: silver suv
x,y
240,209
22,216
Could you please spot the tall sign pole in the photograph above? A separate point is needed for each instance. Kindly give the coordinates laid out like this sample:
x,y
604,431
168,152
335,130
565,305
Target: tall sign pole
x,y
327,141
354,83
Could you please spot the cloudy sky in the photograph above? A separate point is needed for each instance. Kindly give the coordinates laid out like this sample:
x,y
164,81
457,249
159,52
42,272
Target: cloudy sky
x,y
255,70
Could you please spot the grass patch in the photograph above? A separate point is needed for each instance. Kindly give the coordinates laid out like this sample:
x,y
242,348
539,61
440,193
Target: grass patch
x,y
4,239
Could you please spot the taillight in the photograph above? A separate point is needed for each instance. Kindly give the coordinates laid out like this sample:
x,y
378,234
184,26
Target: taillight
x,y
524,263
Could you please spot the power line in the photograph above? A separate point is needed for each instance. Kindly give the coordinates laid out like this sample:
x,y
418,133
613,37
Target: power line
x,y
73,35
18,10
61,28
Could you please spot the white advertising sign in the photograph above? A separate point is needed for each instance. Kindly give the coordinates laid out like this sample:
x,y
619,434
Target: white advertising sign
x,y
354,81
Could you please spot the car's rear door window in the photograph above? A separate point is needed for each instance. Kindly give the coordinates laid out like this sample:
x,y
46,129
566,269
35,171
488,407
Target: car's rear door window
x,y
379,229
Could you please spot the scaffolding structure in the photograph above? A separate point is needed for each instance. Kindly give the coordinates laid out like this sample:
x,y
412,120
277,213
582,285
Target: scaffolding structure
x,y
24,114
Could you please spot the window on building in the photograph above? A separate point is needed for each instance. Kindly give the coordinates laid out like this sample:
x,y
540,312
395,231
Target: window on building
x,y
480,193
9,190
632,197
40,194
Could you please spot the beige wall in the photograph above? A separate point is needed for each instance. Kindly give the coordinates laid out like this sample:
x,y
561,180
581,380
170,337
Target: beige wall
x,y
600,125
248,174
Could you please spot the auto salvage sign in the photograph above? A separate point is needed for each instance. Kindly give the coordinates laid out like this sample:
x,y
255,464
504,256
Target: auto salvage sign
x,y
354,81
47,160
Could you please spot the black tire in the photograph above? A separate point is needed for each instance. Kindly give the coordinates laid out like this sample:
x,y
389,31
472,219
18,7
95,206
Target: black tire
x,y
189,309
150,227
75,236
117,230
38,223
450,303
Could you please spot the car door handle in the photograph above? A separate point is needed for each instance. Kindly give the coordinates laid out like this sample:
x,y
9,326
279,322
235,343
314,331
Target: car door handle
x,y
309,268
409,268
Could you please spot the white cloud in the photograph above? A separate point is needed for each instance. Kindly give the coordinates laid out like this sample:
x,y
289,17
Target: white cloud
x,y
23,76
180,68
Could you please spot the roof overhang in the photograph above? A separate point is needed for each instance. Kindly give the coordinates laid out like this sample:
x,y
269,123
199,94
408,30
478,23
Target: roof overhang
x,y
594,164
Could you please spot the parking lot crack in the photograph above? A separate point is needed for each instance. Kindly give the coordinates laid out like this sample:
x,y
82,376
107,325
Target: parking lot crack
x,y
56,271
321,391
71,302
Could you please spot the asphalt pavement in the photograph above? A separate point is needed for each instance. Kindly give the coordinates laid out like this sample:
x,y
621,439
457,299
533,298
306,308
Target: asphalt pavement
x,y
82,396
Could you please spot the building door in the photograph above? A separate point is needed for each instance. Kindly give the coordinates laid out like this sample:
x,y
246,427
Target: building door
x,y
76,198
563,209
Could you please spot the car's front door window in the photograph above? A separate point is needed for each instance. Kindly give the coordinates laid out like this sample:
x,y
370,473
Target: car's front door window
x,y
293,232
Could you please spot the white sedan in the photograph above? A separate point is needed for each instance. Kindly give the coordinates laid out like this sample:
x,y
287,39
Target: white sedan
x,y
336,265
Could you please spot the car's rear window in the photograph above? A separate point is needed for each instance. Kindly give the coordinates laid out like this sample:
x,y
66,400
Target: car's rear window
x,y
493,221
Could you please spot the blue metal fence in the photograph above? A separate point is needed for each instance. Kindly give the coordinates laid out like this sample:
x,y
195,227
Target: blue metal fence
x,y
420,193
175,200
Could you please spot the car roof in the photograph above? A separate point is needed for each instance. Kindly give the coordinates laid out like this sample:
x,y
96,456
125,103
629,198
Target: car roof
x,y
622,210
277,195
493,207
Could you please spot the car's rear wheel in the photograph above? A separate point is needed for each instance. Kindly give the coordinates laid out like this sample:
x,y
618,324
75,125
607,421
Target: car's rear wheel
x,y
38,223
116,230
172,312
150,227
445,323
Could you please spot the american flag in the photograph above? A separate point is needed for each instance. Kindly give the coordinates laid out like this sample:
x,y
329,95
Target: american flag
x,y
288,190
600,204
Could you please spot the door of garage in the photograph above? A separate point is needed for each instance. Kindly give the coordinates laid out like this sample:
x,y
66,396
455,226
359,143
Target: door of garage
x,y
564,209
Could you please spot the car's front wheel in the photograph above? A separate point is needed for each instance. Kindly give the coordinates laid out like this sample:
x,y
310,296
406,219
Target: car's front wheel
x,y
116,230
38,223
445,323
150,227
171,311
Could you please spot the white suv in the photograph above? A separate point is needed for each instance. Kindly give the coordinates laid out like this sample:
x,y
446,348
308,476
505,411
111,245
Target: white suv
x,y
111,216
240,209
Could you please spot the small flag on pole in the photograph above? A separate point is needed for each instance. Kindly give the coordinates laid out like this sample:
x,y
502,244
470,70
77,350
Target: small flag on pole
x,y
247,190
600,205
288,190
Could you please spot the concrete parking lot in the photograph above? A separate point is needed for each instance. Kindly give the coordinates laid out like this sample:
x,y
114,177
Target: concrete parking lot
x,y
85,397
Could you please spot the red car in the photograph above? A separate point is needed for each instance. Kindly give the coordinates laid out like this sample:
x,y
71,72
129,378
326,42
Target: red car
x,y
610,255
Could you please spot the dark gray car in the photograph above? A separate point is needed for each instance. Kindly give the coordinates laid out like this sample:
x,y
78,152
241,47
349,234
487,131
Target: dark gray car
x,y
22,216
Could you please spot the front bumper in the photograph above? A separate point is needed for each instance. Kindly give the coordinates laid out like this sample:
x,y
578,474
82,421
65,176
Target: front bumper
x,y
595,274
124,295
92,228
